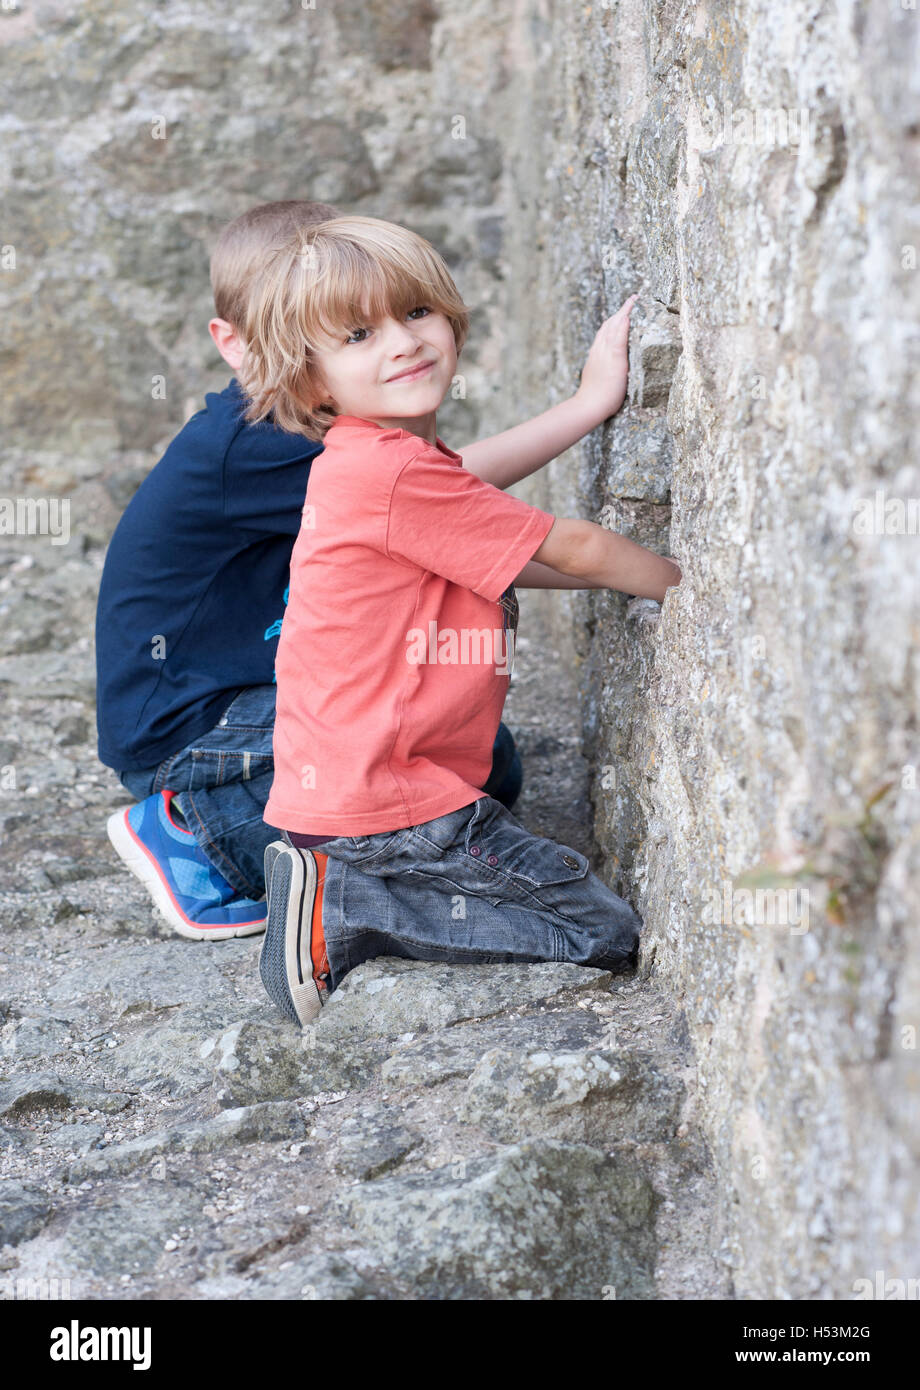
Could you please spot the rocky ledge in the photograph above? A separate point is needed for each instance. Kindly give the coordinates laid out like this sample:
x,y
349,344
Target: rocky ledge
x,y
442,1132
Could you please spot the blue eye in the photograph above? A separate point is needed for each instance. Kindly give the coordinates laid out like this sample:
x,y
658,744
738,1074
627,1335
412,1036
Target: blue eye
x,y
352,338
420,310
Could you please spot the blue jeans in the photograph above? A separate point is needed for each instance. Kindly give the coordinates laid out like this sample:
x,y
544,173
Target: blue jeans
x,y
223,779
471,886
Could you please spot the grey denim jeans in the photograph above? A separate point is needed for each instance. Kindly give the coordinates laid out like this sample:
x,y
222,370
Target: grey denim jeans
x,y
471,886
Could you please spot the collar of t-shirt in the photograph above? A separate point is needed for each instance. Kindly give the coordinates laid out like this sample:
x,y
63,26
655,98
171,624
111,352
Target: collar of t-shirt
x,y
358,422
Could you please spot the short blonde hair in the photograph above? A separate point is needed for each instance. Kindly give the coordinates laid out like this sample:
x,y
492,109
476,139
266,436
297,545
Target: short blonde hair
x,y
242,246
327,280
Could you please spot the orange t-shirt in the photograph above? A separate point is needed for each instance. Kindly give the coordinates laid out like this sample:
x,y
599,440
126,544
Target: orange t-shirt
x,y
393,660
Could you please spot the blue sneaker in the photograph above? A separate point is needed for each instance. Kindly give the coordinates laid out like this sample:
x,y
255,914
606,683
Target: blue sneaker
x,y
193,896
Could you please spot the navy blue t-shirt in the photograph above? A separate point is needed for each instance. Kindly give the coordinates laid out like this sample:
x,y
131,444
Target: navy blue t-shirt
x,y
195,581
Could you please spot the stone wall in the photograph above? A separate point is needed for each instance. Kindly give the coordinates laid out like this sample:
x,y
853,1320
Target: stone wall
x,y
751,169
133,133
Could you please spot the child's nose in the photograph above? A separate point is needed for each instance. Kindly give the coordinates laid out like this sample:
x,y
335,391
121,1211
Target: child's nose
x,y
400,336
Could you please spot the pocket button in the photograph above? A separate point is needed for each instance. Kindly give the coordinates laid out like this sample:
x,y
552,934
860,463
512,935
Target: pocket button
x,y
475,850
570,861
493,859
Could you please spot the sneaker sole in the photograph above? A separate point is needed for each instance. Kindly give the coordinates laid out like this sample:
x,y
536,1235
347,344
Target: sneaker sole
x,y
284,962
268,861
136,858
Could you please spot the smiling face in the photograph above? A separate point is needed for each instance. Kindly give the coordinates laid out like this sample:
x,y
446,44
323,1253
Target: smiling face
x,y
354,316
395,372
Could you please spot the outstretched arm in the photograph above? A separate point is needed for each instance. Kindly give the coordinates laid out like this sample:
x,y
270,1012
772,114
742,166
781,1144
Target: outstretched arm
x,y
537,576
606,560
514,454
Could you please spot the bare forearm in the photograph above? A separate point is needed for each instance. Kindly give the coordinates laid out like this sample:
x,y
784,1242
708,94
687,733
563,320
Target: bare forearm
x,y
537,576
607,560
506,458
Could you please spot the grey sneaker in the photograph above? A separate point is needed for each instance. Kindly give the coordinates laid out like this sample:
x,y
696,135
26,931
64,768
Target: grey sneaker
x,y
271,854
292,964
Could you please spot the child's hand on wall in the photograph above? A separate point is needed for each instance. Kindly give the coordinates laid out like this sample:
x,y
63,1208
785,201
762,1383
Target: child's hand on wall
x,y
680,574
603,378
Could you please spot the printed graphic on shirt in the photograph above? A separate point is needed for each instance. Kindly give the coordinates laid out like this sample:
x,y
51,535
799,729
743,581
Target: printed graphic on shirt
x,y
275,629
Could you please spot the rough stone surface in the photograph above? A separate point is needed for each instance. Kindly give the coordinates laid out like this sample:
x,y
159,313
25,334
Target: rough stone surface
x,y
23,1212
535,1220
34,1036
752,171
134,136
433,996
267,1121
596,1096
246,1159
23,1095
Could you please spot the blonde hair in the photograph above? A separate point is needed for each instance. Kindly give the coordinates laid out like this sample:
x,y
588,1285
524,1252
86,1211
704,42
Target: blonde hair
x,y
242,246
329,279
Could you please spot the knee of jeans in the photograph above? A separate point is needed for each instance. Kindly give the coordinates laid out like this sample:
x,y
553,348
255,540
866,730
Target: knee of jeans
x,y
139,784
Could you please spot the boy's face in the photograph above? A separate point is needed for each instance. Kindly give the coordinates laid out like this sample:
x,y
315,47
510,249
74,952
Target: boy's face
x,y
394,372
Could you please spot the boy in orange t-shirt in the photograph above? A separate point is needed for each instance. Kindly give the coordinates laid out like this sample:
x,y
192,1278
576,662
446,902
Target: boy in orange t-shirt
x,y
402,584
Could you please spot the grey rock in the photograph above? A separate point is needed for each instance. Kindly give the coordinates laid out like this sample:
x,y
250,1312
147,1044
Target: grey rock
x,y
538,1220
38,675
66,870
323,1277
397,35
13,1139
452,1052
34,1036
640,460
392,996
121,1231
76,1138
152,975
368,1144
654,160
25,1095
172,1055
73,729
23,1212
452,164
252,1062
266,1123
722,738
596,1097
657,351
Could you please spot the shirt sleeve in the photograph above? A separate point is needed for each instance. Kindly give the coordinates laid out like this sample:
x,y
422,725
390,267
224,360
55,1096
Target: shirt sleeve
x,y
265,487
447,520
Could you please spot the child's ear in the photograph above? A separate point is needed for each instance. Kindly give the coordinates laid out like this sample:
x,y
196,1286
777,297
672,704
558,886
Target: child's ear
x,y
228,342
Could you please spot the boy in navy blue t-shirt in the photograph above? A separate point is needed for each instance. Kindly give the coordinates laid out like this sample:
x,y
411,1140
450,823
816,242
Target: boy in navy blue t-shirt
x,y
190,608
